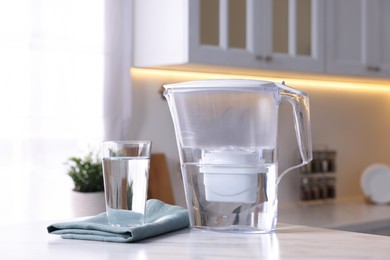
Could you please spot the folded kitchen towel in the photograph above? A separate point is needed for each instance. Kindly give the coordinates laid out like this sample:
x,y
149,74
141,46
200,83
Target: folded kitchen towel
x,y
160,218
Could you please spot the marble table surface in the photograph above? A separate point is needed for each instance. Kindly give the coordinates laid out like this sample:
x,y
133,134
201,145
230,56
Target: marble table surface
x,y
31,241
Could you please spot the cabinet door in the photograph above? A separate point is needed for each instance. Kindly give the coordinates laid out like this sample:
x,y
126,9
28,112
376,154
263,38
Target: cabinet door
x,y
346,50
379,39
271,34
293,35
358,37
221,32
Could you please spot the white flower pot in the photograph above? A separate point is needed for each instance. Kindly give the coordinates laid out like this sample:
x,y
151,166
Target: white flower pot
x,y
88,203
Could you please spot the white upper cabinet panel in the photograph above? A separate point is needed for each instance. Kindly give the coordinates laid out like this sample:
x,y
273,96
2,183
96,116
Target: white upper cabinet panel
x,y
266,34
346,37
358,37
219,32
293,35
160,32
382,58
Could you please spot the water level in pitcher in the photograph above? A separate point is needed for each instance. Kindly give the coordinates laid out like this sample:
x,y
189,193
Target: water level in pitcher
x,y
230,197
126,183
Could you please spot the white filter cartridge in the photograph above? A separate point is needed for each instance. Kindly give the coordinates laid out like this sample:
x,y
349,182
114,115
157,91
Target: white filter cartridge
x,y
231,176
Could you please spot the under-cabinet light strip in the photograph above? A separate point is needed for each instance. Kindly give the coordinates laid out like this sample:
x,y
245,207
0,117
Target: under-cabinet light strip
x,y
312,83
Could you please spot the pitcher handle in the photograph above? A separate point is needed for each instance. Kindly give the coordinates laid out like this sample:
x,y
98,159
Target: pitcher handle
x,y
301,111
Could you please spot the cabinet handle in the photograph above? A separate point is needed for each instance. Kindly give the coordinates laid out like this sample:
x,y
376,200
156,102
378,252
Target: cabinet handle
x,y
373,68
259,57
268,58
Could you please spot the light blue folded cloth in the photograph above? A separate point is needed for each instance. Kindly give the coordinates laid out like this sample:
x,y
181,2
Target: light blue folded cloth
x,y
160,218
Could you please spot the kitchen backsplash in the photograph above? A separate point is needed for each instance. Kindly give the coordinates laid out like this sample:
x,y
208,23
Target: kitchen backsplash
x,y
355,123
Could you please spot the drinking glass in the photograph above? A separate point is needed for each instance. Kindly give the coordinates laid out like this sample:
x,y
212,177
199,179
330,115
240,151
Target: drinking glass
x,y
126,174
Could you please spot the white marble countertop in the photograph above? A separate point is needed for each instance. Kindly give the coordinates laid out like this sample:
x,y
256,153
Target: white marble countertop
x,y
31,241
349,214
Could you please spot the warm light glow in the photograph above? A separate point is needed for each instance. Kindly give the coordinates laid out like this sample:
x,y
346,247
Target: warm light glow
x,y
328,82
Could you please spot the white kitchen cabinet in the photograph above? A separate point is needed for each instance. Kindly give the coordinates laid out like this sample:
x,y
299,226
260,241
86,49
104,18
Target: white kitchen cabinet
x,y
358,37
257,34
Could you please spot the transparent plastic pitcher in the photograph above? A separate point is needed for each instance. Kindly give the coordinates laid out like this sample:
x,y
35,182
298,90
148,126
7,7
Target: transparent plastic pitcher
x,y
226,132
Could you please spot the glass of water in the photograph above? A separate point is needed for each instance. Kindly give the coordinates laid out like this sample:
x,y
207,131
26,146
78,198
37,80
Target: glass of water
x,y
126,174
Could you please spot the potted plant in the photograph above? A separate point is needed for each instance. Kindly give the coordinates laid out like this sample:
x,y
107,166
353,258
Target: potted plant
x,y
87,175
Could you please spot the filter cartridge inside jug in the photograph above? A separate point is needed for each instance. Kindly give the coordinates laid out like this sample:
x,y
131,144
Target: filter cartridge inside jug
x,y
232,176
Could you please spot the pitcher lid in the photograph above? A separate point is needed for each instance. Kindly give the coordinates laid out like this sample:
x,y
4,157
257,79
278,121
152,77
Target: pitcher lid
x,y
218,83
229,83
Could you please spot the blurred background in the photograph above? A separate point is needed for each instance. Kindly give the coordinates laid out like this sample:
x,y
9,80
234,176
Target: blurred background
x,y
57,61
74,73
